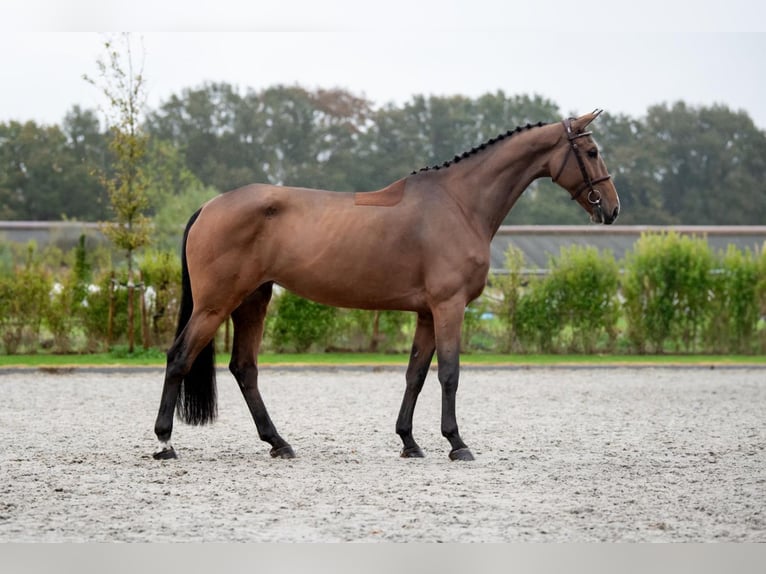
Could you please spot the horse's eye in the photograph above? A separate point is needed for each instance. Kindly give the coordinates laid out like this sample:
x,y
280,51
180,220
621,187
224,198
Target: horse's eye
x,y
593,152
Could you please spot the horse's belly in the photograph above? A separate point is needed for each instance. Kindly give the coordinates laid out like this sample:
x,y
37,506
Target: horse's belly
x,y
370,289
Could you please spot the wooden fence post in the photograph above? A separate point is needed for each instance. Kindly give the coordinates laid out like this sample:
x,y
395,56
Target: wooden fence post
x,y
145,335
110,321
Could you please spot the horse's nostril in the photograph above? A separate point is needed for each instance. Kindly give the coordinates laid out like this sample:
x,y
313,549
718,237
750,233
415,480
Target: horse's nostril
x,y
616,212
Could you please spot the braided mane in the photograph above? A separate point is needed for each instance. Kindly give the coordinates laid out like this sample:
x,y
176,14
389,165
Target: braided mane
x,y
479,148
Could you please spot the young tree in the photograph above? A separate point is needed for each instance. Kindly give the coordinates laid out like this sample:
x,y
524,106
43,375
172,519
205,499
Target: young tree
x,y
126,186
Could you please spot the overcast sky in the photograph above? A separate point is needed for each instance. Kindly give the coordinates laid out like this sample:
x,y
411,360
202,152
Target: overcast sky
x,y
580,54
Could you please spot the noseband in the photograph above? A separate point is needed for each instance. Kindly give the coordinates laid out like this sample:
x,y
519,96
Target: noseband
x,y
594,195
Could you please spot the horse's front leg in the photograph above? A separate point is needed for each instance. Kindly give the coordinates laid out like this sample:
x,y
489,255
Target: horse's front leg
x,y
420,360
448,321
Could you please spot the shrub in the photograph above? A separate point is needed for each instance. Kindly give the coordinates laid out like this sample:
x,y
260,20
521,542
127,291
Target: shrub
x,y
537,319
583,283
666,288
574,307
95,312
372,331
24,300
504,305
761,295
734,307
298,323
477,333
161,273
95,318
62,313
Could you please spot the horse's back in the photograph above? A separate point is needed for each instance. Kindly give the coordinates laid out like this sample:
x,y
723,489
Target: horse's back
x,y
320,244
267,197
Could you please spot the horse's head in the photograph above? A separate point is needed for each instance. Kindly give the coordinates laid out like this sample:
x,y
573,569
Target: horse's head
x,y
576,165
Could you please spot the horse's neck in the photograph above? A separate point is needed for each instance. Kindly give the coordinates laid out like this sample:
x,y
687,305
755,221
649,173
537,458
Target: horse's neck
x,y
489,184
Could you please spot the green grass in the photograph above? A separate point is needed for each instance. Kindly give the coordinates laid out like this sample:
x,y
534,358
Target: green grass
x,y
156,358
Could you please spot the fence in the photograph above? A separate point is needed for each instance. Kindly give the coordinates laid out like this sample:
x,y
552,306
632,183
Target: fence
x,y
652,306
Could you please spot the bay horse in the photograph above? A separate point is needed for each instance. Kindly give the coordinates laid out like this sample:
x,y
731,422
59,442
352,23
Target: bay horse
x,y
422,244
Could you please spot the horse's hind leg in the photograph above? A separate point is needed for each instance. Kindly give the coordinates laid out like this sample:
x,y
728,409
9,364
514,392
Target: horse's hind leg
x,y
420,360
182,355
248,321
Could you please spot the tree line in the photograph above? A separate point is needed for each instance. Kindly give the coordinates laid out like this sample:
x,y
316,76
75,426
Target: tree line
x,y
678,164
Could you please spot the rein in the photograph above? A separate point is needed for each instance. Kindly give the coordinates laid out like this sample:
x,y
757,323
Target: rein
x,y
594,195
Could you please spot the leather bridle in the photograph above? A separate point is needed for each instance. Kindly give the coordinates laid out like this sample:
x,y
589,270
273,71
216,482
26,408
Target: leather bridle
x,y
594,195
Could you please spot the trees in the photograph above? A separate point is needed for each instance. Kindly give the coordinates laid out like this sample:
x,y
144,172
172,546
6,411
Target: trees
x,y
127,185
426,131
35,160
45,170
283,135
174,193
86,197
711,164
216,139
677,165
309,138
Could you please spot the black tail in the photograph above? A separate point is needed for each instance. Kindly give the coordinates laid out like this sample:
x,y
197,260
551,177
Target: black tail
x,y
197,400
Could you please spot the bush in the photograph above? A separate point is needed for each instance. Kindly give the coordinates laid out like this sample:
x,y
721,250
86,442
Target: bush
x,y
95,315
761,295
573,308
62,314
583,283
677,296
24,300
505,305
735,306
95,312
538,319
477,333
297,324
68,297
161,273
372,331
666,288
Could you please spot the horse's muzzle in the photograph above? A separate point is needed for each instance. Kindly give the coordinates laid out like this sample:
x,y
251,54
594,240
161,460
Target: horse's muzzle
x,y
598,215
610,218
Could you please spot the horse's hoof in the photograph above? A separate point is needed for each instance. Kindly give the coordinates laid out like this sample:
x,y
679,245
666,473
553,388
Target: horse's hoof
x,y
165,454
282,452
461,454
412,452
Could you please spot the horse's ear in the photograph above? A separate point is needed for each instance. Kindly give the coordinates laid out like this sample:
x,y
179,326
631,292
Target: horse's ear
x,y
583,121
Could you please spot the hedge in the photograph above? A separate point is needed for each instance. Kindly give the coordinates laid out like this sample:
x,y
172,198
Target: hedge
x,y
670,294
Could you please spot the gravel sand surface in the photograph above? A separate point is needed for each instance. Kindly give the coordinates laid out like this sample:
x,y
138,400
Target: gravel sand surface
x,y
581,454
